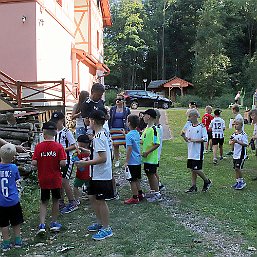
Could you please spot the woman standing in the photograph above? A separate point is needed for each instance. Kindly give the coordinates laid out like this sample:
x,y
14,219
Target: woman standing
x,y
118,127
76,114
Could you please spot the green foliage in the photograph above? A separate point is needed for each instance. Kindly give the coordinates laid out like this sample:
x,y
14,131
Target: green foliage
x,y
110,96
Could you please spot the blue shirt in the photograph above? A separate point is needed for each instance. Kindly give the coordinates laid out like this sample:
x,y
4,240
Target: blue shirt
x,y
9,195
118,120
133,139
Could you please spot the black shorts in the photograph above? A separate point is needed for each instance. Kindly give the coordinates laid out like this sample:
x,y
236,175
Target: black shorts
x,y
45,194
209,133
194,164
216,141
102,189
150,168
238,163
11,215
135,171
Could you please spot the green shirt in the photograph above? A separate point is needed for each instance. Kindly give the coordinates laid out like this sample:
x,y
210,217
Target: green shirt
x,y
150,138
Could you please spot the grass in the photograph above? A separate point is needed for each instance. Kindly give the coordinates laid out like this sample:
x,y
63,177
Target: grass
x,y
158,229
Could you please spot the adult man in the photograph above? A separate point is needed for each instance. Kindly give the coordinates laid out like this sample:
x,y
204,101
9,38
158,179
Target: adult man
x,y
253,115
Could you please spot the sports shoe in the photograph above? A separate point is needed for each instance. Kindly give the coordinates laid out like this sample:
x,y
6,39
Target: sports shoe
x,y
94,227
131,201
206,186
18,243
155,198
115,197
55,227
6,247
240,185
229,153
221,158
70,207
61,205
161,187
192,189
141,197
77,202
41,229
117,164
102,234
215,161
235,185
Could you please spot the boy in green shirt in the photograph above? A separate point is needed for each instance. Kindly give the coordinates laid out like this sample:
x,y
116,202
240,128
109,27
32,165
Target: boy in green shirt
x,y
151,142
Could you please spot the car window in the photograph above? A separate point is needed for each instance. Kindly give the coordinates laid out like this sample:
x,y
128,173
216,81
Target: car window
x,y
141,93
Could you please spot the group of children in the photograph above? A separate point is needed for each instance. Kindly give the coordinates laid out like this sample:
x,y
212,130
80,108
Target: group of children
x,y
211,132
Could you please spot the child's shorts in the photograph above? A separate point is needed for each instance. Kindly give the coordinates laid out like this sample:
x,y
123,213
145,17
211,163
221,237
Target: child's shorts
x,y
194,164
11,215
150,168
102,189
238,163
209,133
80,182
216,141
135,171
45,194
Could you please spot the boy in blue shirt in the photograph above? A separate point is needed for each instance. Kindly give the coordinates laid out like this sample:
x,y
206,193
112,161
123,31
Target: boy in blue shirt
x,y
10,208
133,159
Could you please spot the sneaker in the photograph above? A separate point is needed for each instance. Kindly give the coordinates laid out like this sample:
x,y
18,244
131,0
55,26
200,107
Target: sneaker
x,y
55,227
215,161
70,207
149,195
235,185
115,197
77,202
18,243
94,227
206,186
41,229
229,153
240,185
161,187
141,197
61,205
131,201
155,198
117,164
102,234
221,158
192,189
6,247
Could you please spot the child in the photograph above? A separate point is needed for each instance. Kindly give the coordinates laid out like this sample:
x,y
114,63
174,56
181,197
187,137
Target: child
x,y
206,120
239,141
82,175
151,142
49,157
65,137
253,115
217,127
195,137
10,208
100,186
133,159
160,133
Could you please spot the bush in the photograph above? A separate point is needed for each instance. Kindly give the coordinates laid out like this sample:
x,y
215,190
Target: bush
x,y
110,96
186,99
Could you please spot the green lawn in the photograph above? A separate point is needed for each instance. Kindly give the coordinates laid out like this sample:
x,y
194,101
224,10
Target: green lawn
x,y
202,224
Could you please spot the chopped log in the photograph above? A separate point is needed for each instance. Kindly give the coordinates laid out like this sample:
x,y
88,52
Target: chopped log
x,y
17,130
3,118
14,135
13,141
26,125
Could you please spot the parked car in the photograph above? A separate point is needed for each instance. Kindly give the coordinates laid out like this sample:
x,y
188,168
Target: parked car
x,y
141,98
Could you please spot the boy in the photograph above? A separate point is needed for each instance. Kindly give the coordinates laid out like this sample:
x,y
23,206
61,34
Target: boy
x,y
100,185
49,157
133,159
160,133
82,175
195,137
151,142
65,137
206,120
10,208
217,127
239,142
253,115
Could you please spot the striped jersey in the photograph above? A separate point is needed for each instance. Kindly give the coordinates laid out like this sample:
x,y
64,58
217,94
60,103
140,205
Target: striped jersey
x,y
239,150
217,127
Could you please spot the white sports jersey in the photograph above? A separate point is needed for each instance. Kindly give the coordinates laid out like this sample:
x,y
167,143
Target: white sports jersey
x,y
102,171
195,150
254,129
186,126
217,127
239,150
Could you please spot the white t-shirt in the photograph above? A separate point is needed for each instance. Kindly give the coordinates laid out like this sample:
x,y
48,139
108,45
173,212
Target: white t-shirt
x,y
186,126
195,150
217,126
239,150
160,133
102,171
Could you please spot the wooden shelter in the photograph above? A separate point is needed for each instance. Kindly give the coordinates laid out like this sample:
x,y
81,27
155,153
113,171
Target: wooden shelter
x,y
170,88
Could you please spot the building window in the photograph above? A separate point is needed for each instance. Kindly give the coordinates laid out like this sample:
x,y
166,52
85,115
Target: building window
x,y
59,2
98,40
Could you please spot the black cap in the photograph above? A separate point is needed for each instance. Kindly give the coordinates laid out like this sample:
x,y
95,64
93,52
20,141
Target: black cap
x,y
217,112
57,116
83,139
193,103
151,112
49,125
97,115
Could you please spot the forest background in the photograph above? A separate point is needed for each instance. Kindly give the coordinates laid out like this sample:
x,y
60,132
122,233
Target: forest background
x,y
211,43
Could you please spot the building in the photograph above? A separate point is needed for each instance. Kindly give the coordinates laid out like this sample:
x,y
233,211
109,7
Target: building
x,y
170,88
50,40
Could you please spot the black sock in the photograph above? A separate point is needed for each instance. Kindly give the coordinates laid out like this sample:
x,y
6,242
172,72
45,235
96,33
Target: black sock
x,y
135,196
140,192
